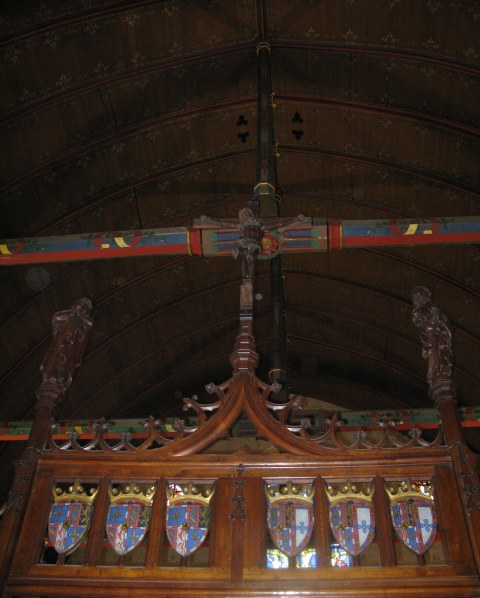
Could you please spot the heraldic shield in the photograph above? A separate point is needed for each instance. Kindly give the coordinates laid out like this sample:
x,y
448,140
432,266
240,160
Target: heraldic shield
x,y
352,517
128,516
290,516
70,517
414,519
188,516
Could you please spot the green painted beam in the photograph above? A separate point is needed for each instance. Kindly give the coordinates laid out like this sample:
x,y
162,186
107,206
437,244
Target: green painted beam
x,y
404,419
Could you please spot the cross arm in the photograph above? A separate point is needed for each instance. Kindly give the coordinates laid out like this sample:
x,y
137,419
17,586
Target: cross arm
x,y
295,235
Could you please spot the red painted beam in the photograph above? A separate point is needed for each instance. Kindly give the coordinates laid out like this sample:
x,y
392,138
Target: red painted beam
x,y
312,235
167,241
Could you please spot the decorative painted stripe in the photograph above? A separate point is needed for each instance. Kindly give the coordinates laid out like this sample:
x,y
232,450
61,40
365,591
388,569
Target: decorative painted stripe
x,y
365,233
404,419
323,236
172,241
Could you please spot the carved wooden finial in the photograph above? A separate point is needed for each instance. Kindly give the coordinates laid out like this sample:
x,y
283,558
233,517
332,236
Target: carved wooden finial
x,y
435,335
64,355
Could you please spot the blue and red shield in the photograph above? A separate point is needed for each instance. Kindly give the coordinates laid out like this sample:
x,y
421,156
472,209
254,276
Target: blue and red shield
x,y
187,526
127,524
353,524
68,524
415,522
290,523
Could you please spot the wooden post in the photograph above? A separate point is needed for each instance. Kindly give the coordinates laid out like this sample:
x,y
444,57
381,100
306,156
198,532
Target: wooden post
x,y
436,339
97,529
383,518
323,537
238,517
255,524
451,517
70,332
157,526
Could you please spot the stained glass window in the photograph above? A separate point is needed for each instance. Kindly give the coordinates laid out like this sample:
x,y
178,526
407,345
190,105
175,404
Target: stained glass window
x,y
307,559
290,515
422,486
276,559
339,557
188,522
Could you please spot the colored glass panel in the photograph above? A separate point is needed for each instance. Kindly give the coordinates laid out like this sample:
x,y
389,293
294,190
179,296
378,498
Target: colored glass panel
x,y
290,516
187,519
307,559
276,559
68,525
127,524
339,556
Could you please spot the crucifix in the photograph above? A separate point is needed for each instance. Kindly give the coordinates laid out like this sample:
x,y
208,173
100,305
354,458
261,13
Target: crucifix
x,y
258,233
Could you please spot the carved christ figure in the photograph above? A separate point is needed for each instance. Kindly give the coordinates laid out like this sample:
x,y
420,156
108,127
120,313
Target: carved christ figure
x,y
249,243
70,333
435,335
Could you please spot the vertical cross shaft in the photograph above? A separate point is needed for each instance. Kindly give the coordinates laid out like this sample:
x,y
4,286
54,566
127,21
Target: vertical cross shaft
x,y
265,202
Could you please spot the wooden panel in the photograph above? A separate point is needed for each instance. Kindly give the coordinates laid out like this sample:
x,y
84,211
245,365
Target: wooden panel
x,y
35,523
452,522
323,536
221,524
255,524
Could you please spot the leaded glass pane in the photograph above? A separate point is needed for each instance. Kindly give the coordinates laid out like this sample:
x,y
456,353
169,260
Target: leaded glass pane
x,y
307,559
339,556
276,559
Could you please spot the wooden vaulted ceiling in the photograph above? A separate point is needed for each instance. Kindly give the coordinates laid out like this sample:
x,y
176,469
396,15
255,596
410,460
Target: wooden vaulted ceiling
x,y
127,115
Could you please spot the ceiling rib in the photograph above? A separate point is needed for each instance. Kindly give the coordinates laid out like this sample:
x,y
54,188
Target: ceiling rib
x,y
388,52
357,353
440,275
410,172
150,354
124,75
111,293
336,315
226,353
86,15
125,133
138,184
400,113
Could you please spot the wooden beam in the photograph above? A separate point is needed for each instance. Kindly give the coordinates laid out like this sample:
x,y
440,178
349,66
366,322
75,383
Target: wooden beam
x,y
404,419
311,235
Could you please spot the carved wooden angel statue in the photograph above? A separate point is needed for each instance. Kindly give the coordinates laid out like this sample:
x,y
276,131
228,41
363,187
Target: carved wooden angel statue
x,y
70,333
435,335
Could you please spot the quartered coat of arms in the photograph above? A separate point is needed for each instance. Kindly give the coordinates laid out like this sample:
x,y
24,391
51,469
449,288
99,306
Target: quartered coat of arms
x,y
413,515
351,514
188,516
128,516
290,516
70,517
